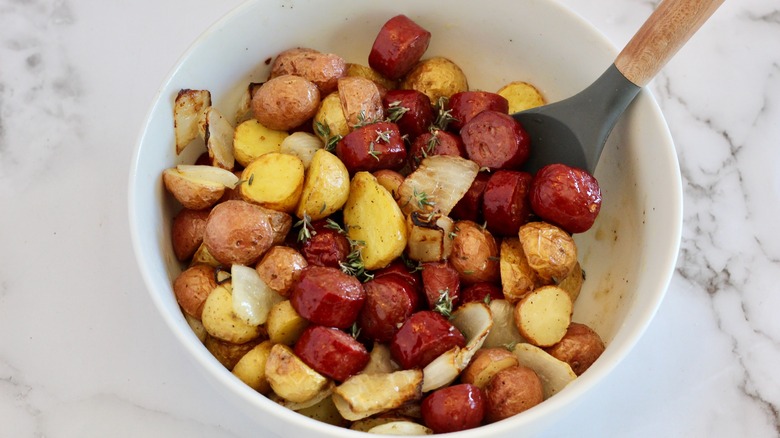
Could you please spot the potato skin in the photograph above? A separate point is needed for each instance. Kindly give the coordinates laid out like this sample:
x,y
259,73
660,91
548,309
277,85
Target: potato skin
x,y
474,253
237,232
580,347
550,250
323,69
511,391
228,353
285,102
187,232
485,364
280,268
436,77
192,287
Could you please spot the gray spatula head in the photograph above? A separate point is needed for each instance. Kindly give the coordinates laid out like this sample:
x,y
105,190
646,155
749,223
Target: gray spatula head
x,y
573,131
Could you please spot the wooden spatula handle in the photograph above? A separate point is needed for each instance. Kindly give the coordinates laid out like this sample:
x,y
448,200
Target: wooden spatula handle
x,y
668,28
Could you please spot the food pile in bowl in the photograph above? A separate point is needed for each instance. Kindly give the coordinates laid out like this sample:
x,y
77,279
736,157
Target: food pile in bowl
x,y
364,248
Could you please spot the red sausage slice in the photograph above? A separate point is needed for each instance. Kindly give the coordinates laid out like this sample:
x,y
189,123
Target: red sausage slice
x,y
331,352
566,196
422,338
326,247
390,300
437,278
480,292
467,104
327,296
436,142
414,107
505,203
372,147
454,408
470,205
399,45
495,140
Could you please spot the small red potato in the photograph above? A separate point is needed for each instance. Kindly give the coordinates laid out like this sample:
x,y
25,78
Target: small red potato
x,y
511,391
323,69
237,232
485,364
192,287
285,102
361,101
454,408
579,347
474,253
187,232
280,268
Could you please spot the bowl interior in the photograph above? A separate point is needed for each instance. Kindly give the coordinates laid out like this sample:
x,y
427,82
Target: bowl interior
x,y
628,255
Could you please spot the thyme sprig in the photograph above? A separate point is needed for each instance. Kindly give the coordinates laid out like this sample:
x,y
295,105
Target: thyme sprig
x,y
444,303
307,230
422,199
443,115
323,130
354,264
395,111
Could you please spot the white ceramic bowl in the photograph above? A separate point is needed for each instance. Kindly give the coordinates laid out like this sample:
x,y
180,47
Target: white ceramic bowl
x,y
629,255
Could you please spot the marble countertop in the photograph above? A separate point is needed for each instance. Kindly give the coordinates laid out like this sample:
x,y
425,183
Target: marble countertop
x,y
84,353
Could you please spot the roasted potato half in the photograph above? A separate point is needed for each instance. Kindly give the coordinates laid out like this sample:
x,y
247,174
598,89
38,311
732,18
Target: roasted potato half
x,y
521,96
274,180
437,77
326,187
252,139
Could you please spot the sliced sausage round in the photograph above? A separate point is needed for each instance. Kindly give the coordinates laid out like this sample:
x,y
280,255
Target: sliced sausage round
x,y
331,352
399,45
390,300
411,110
495,140
372,147
435,142
438,278
467,104
470,205
566,196
505,203
327,296
422,338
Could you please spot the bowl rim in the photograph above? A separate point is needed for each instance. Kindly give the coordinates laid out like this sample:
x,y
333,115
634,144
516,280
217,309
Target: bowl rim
x,y
221,376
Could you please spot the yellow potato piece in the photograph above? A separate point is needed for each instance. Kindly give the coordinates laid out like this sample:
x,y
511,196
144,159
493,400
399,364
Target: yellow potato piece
x,y
517,277
374,220
284,324
521,96
330,121
274,181
251,140
251,367
543,316
326,187
291,378
221,322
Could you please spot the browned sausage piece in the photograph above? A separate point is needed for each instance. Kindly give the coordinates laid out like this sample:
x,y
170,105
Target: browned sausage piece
x,y
399,45
506,204
372,147
323,69
435,142
390,300
411,110
438,278
467,104
470,205
495,140
327,296
326,247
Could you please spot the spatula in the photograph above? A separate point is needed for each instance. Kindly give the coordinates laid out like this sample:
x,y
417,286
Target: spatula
x,y
573,131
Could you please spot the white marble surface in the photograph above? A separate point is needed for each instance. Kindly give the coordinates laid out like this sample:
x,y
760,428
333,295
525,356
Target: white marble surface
x,y
83,352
